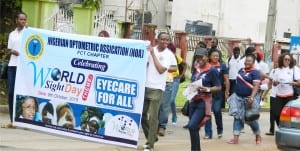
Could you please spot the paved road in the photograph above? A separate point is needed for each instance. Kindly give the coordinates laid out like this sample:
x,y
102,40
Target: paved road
x,y
176,139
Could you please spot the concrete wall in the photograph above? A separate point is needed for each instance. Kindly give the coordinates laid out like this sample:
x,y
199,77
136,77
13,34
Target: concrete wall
x,y
237,18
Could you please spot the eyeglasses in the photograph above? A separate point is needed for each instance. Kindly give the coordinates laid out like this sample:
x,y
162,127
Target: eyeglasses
x,y
287,59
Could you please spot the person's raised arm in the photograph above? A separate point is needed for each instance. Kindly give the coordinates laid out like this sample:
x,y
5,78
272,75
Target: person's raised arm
x,y
158,66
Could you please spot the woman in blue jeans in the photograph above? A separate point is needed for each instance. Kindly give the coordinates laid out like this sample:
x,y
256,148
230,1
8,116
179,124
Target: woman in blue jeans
x,y
200,105
217,98
245,96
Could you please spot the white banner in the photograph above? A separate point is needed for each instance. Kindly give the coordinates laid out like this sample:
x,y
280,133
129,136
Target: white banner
x,y
81,86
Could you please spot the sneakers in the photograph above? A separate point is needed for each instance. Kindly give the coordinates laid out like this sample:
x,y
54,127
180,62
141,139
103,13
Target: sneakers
x,y
186,126
270,133
220,136
148,148
161,132
174,120
206,137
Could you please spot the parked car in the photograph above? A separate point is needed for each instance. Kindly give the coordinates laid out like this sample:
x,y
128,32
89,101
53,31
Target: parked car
x,y
287,136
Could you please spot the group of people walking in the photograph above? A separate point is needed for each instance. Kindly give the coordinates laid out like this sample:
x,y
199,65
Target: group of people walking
x,y
238,82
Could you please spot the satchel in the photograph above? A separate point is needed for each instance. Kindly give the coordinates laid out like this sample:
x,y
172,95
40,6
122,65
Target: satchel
x,y
185,108
3,70
251,114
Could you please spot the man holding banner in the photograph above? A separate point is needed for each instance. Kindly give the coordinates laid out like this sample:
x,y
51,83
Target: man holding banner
x,y
160,61
14,44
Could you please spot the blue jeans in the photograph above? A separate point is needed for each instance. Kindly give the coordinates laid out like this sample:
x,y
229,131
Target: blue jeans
x,y
175,87
11,78
238,123
217,110
197,112
165,106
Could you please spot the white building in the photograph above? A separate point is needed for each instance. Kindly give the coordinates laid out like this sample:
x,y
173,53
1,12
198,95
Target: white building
x,y
230,18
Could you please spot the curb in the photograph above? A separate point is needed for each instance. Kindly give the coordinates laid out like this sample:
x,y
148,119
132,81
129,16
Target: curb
x,y
4,109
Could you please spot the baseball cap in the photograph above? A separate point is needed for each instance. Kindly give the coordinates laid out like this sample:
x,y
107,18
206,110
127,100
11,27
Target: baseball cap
x,y
201,52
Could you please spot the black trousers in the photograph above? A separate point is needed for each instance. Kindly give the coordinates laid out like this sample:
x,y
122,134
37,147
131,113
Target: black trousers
x,y
277,106
272,116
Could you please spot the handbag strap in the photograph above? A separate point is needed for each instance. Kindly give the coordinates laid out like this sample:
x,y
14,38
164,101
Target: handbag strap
x,y
293,73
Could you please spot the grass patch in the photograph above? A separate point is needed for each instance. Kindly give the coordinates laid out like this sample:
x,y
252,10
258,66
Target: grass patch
x,y
180,99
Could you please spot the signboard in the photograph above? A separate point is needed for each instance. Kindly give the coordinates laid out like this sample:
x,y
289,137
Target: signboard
x,y
81,86
295,48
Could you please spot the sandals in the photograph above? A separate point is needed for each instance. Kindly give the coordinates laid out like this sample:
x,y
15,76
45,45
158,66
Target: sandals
x,y
258,139
233,141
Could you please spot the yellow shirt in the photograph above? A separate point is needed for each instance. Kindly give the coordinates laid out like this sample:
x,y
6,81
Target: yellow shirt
x,y
179,61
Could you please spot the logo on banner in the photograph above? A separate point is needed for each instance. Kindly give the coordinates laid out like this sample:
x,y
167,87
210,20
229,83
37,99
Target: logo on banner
x,y
34,47
121,126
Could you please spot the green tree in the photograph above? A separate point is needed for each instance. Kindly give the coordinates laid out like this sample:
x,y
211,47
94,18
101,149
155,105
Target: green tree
x,y
92,3
9,9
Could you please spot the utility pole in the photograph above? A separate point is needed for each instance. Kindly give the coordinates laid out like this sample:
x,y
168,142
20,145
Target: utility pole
x,y
143,15
270,28
126,10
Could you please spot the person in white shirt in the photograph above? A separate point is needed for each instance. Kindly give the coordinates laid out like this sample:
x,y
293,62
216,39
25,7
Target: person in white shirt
x,y
272,100
14,45
160,61
285,77
233,66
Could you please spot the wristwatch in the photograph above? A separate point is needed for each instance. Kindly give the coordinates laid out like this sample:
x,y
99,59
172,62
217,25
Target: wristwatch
x,y
207,89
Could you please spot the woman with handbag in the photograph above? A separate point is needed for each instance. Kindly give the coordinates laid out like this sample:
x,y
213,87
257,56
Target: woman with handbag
x,y
200,105
285,78
245,98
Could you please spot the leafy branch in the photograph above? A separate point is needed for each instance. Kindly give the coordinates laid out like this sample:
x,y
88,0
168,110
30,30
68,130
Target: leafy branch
x,y
92,3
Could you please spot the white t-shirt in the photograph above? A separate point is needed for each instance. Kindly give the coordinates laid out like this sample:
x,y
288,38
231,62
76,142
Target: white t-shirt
x,y
14,43
264,67
285,75
154,79
234,67
273,91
